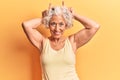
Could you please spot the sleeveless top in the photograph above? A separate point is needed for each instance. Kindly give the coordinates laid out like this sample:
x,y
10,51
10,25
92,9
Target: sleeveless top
x,y
58,64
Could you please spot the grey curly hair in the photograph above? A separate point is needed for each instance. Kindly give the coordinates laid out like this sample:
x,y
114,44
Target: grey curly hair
x,y
57,11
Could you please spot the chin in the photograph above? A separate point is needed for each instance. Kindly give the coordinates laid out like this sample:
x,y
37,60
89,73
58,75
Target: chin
x,y
57,36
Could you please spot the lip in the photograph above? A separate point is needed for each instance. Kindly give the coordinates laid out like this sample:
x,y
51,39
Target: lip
x,y
57,33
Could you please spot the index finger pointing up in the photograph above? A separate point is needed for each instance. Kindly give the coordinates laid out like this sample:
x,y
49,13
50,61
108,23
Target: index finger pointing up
x,y
49,6
62,3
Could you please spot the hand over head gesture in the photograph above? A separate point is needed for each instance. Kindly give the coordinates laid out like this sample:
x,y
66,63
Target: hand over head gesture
x,y
45,12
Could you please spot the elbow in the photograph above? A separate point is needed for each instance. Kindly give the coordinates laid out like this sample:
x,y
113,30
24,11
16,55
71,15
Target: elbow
x,y
24,24
97,26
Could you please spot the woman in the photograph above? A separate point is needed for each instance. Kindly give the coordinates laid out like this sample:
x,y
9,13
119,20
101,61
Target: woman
x,y
57,51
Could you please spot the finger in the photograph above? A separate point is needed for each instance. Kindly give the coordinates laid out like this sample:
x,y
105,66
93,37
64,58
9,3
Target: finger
x,y
44,13
62,3
69,9
49,6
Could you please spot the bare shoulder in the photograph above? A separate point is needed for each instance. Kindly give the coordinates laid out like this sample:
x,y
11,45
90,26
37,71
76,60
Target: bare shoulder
x,y
71,38
44,39
42,43
73,43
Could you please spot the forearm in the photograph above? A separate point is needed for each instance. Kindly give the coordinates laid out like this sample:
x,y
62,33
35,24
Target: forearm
x,y
86,22
33,23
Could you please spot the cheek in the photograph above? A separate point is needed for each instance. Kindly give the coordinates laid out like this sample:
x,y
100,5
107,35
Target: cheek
x,y
51,28
63,28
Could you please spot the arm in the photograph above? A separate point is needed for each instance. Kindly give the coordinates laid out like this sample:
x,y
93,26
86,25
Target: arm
x,y
33,35
89,30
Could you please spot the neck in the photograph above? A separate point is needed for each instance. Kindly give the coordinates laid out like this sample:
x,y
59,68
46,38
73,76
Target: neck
x,y
57,40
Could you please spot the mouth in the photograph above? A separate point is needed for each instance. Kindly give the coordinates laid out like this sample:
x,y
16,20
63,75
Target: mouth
x,y
57,33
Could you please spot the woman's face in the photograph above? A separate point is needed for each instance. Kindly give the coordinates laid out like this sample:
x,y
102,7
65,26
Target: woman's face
x,y
57,26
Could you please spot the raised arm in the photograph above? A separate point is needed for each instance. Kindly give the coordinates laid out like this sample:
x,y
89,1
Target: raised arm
x,y
33,35
89,30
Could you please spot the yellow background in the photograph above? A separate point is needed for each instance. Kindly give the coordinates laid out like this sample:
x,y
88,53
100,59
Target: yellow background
x,y
97,60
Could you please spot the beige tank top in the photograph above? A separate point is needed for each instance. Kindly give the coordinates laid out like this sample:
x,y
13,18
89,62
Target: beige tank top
x,y
58,65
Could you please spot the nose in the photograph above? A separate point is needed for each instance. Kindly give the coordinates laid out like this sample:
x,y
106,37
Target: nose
x,y
57,27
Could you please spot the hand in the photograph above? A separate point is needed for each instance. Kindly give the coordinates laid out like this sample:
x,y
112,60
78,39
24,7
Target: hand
x,y
45,12
70,9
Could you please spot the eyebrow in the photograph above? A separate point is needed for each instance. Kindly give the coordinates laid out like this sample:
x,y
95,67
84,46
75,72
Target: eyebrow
x,y
55,22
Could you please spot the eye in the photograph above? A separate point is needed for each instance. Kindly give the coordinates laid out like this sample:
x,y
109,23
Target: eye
x,y
61,24
52,24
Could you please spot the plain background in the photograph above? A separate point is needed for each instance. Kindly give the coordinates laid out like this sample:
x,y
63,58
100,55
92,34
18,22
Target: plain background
x,y
97,60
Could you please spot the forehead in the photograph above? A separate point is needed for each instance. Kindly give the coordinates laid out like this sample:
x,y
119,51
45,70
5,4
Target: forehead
x,y
57,18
